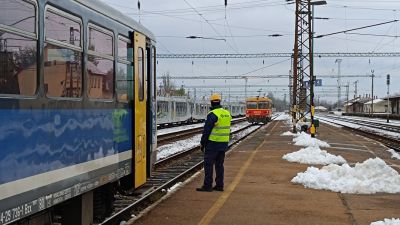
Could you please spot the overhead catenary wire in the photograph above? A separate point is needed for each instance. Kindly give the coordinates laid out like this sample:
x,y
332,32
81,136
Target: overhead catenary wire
x,y
215,30
358,28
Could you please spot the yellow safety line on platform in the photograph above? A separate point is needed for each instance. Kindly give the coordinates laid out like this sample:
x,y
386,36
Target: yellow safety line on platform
x,y
225,195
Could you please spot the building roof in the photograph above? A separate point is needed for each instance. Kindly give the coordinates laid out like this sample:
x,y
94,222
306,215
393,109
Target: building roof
x,y
375,101
255,99
394,96
320,108
361,100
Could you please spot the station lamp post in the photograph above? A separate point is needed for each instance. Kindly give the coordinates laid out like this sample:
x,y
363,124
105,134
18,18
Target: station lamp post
x,y
312,77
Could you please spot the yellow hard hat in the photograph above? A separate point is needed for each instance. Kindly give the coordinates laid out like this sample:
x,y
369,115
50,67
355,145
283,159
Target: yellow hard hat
x,y
215,97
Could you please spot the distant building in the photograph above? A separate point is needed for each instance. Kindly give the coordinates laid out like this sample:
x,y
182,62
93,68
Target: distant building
x,y
380,106
394,104
356,105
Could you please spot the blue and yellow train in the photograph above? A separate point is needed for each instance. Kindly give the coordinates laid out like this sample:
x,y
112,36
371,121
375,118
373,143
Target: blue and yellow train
x,y
77,109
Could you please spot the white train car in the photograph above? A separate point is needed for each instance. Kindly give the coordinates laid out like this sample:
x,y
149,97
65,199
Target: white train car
x,y
182,110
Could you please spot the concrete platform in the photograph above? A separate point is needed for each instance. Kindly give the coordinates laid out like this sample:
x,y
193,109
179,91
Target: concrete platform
x,y
258,188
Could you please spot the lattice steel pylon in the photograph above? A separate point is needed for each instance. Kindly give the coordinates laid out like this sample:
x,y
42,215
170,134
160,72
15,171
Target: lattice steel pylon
x,y
302,62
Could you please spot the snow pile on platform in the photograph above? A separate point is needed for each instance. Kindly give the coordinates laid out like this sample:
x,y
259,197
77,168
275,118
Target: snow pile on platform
x,y
304,139
289,133
369,177
392,221
313,155
395,155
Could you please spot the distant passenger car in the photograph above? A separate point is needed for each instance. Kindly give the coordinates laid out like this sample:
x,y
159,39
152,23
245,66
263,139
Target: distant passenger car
x,y
175,110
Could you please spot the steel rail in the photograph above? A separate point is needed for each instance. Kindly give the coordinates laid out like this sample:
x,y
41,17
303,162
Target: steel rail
x,y
371,124
390,142
181,134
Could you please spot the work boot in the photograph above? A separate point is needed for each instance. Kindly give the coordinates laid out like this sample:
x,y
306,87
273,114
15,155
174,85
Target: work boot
x,y
202,188
216,188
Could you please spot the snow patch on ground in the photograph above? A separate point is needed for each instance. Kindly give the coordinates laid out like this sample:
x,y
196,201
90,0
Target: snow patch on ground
x,y
368,177
313,155
395,155
288,133
329,123
392,221
178,146
304,139
363,127
283,117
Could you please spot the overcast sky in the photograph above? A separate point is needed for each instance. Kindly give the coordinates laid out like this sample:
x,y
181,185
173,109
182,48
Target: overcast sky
x,y
246,26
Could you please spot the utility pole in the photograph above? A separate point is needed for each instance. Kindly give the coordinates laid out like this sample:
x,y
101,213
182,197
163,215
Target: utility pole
x,y
372,93
291,86
347,93
245,88
312,78
355,88
338,61
284,101
388,102
302,58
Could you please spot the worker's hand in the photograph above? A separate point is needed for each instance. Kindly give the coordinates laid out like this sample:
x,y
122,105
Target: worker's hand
x,y
202,147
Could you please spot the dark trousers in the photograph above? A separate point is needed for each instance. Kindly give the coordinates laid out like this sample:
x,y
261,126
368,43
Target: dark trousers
x,y
212,158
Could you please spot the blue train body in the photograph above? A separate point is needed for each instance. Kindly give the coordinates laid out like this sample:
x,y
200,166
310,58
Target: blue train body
x,y
37,141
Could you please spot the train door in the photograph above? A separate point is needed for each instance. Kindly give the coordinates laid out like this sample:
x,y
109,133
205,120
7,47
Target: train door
x,y
140,109
151,107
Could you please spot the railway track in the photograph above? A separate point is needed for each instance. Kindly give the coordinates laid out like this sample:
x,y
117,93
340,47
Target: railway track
x,y
182,134
389,141
168,172
372,124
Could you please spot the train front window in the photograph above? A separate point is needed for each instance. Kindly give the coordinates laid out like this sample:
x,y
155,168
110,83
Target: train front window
x,y
263,105
100,62
62,55
251,105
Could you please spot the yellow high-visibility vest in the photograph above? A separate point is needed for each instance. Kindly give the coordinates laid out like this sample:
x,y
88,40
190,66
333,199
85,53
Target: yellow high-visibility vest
x,y
222,129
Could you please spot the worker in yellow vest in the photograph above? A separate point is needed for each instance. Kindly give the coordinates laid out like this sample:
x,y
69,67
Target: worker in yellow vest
x,y
214,143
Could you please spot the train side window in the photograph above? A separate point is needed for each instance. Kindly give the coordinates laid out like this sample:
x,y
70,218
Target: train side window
x,y
101,62
141,73
124,73
62,54
19,14
18,51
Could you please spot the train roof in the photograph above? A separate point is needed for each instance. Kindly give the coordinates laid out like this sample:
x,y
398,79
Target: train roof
x,y
255,99
116,15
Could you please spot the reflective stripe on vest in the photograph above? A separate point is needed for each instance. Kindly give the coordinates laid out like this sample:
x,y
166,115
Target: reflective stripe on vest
x,y
222,129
